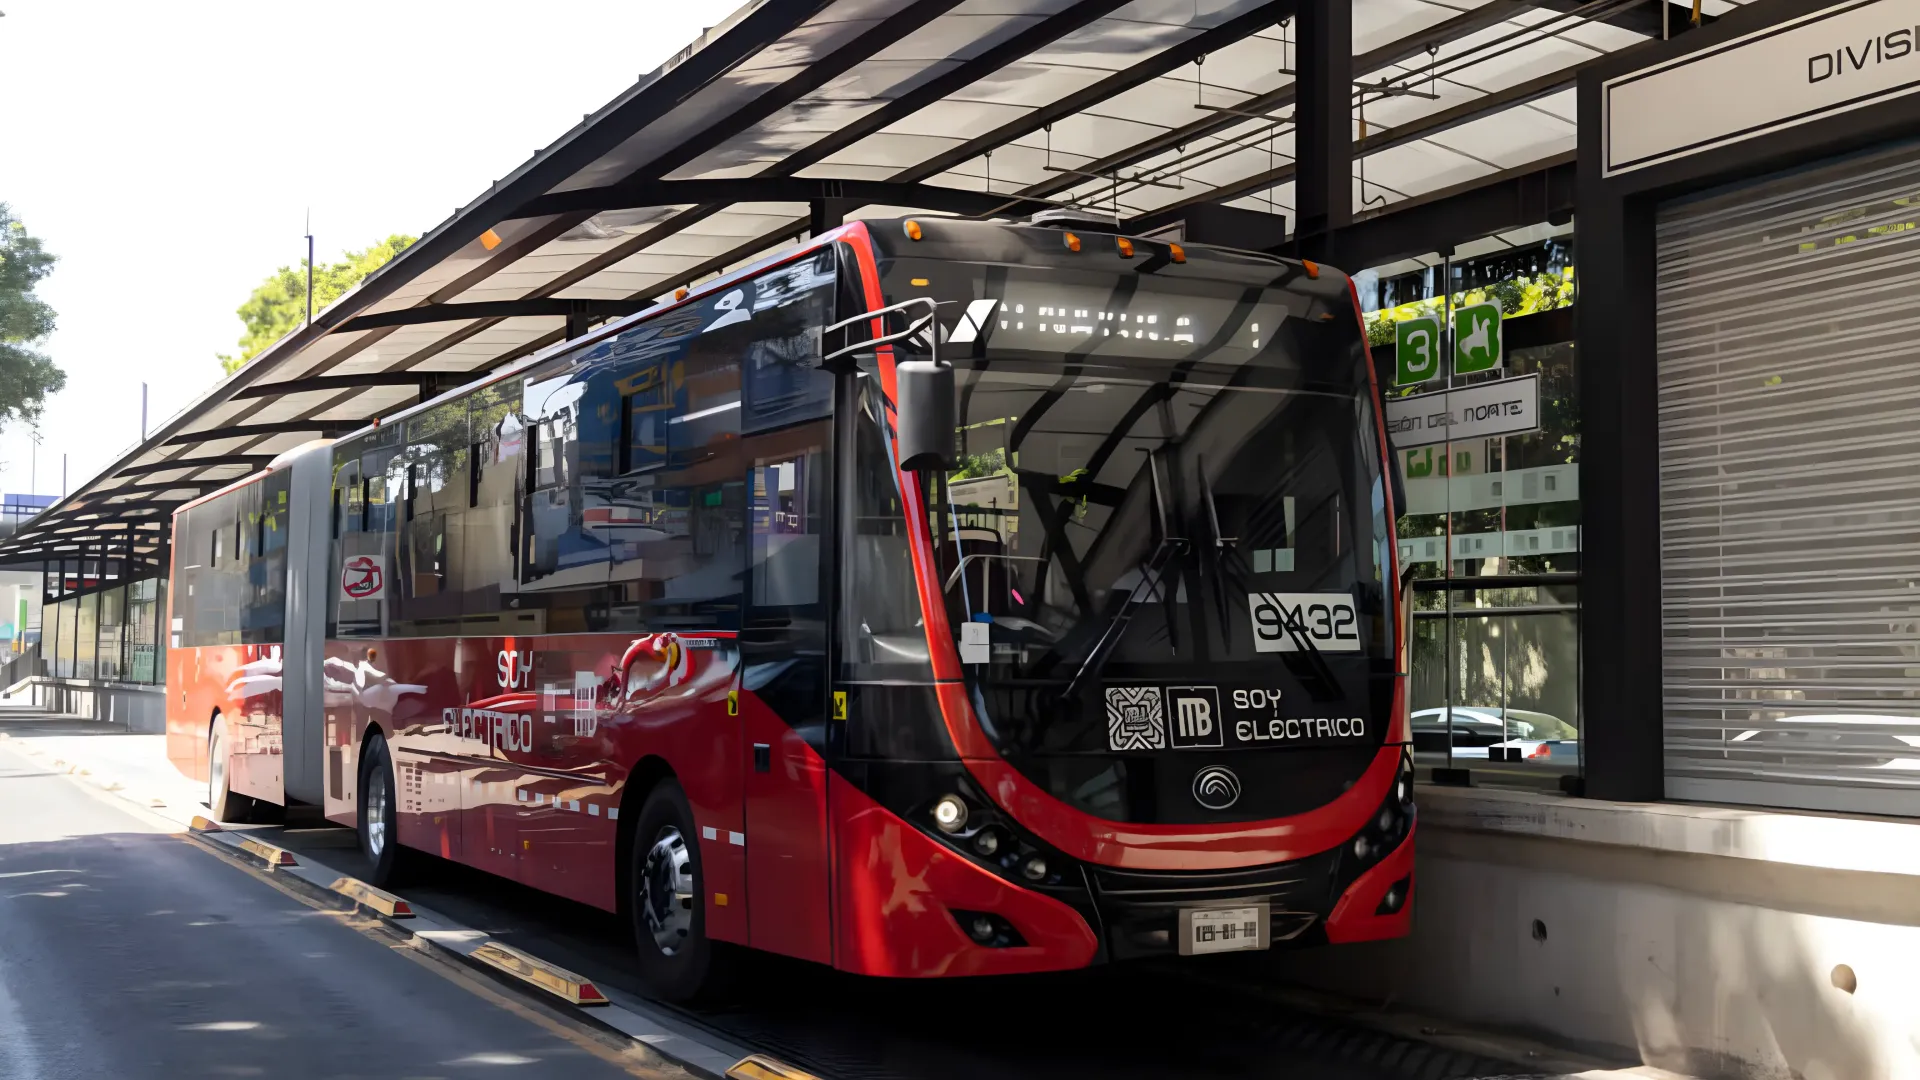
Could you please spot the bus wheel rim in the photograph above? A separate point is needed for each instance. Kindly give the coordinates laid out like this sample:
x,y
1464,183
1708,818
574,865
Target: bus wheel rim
x,y
376,814
666,899
216,767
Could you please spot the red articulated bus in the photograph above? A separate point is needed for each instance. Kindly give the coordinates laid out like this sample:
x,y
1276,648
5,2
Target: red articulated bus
x,y
936,598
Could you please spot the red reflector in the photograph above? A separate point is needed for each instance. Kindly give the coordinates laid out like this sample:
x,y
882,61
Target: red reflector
x,y
401,907
590,992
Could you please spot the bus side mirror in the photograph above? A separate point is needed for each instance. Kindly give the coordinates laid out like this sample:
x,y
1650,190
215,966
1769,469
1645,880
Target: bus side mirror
x,y
925,409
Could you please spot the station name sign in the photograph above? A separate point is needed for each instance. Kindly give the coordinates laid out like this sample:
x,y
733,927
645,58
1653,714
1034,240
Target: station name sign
x,y
1832,61
1484,410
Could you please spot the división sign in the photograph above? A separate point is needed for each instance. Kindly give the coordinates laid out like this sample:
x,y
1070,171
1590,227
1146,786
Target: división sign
x,y
1831,61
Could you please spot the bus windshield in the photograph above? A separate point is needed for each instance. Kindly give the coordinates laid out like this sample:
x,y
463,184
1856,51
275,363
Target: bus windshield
x,y
1161,479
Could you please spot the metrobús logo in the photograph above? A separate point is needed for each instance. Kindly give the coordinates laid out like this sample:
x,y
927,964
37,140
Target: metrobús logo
x,y
362,578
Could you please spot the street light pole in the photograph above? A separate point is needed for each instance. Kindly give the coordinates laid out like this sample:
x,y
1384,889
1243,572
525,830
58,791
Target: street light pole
x,y
309,267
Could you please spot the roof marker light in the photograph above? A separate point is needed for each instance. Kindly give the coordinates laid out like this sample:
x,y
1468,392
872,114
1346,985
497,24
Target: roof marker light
x,y
1179,253
489,239
1313,268
679,295
913,229
1073,241
1126,247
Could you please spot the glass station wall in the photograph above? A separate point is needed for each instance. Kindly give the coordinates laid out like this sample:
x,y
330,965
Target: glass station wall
x,y
1492,528
96,624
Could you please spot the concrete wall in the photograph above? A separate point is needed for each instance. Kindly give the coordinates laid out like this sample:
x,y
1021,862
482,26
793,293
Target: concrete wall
x,y
1704,940
142,708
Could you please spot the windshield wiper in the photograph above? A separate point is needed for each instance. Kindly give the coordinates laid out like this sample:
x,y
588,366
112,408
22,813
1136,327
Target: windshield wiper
x,y
1323,685
1152,575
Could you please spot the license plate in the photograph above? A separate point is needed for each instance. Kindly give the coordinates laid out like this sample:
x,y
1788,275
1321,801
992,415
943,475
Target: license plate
x,y
1212,930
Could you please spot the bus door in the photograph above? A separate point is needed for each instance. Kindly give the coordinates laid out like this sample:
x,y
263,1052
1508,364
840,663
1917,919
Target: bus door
x,y
783,693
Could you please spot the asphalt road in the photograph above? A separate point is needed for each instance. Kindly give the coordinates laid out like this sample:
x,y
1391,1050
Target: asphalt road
x,y
129,951
1121,1022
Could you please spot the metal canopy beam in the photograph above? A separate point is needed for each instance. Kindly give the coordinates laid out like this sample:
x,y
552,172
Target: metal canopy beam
x,y
1431,124
887,32
1011,51
325,429
491,309
1445,219
765,189
1162,62
313,383
1211,121
252,461
1644,18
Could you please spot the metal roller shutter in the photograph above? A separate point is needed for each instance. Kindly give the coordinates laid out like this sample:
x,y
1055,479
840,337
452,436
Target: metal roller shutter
x,y
1789,400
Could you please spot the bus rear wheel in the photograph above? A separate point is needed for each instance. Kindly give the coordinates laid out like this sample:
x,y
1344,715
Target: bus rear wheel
x,y
677,959
378,820
224,803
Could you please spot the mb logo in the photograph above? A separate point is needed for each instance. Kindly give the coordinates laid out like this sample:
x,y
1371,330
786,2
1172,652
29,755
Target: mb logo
x,y
1196,716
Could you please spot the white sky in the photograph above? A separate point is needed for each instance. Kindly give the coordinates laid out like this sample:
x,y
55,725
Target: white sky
x,y
167,153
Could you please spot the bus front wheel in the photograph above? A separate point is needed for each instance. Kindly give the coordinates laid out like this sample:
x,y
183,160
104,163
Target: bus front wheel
x,y
224,803
677,959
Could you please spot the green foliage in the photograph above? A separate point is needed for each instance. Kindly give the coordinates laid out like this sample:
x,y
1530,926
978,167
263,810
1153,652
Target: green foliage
x,y
1521,295
27,376
974,466
279,304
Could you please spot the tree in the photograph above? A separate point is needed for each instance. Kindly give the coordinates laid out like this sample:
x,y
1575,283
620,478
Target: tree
x,y
279,304
27,376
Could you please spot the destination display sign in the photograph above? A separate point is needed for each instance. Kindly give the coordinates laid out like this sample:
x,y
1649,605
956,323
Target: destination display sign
x,y
1480,411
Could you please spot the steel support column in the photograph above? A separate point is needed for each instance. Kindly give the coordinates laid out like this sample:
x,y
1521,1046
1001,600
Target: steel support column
x,y
1323,139
824,214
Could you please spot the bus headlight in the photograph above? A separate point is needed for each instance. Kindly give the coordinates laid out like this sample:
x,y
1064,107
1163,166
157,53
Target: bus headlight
x,y
950,814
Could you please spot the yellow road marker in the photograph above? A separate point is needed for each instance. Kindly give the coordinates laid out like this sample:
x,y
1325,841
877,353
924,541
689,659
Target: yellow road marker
x,y
373,899
762,1067
273,855
557,981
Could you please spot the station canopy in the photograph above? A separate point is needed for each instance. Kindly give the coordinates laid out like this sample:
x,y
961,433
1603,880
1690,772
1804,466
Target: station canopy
x,y
794,114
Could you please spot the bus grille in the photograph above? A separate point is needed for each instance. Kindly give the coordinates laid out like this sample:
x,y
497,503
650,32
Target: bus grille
x,y
1303,884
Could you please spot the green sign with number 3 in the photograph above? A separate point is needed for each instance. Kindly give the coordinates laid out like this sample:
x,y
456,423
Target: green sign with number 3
x,y
1416,348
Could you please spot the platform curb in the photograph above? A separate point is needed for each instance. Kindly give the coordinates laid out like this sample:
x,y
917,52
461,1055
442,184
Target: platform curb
x,y
763,1067
378,901
535,972
274,857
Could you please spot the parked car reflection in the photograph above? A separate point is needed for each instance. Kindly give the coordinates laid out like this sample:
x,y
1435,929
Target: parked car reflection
x,y
1827,740
1493,733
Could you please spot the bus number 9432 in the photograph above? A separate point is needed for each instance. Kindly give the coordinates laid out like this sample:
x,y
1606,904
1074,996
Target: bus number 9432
x,y
1286,622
